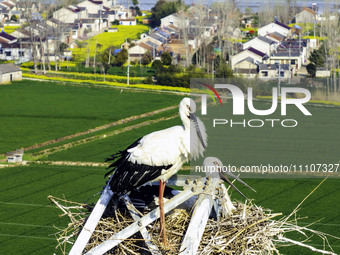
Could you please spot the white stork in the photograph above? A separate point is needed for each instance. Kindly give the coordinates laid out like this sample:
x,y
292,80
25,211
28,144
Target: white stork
x,y
159,155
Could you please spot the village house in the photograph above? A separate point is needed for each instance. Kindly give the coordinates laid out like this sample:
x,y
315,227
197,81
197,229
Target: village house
x,y
15,156
256,56
261,43
178,47
21,33
128,22
172,19
276,36
246,67
8,5
137,52
292,58
6,38
70,14
274,71
20,52
274,27
93,7
9,72
307,15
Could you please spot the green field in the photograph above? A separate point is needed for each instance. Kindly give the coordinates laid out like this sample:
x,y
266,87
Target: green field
x,y
27,220
34,112
314,140
100,149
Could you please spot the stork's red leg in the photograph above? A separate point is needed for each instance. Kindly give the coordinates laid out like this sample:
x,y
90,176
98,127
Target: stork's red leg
x,y
162,215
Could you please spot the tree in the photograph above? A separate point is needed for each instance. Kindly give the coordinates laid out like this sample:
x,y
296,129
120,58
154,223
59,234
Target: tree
x,y
63,47
146,59
318,57
164,8
107,55
121,57
80,44
136,7
224,71
157,65
166,58
311,69
115,22
14,17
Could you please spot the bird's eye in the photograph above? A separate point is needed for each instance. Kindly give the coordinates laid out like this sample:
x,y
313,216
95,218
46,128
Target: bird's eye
x,y
188,106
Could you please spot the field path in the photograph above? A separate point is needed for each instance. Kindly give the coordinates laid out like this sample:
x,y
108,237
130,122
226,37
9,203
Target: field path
x,y
92,130
92,138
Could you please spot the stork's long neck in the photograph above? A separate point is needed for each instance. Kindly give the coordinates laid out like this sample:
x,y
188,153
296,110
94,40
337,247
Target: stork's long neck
x,y
185,120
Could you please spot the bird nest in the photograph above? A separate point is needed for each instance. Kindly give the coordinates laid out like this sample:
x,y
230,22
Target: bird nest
x,y
249,230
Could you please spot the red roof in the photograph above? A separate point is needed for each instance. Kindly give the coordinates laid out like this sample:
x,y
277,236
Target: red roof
x,y
309,10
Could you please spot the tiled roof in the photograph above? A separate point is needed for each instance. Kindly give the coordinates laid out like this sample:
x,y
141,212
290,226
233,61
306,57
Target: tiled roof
x,y
7,36
152,44
9,68
282,25
266,40
286,54
309,10
96,2
145,46
249,59
158,38
257,52
275,66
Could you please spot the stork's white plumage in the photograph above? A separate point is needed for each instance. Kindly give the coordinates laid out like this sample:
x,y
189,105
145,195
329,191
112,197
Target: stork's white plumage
x,y
160,154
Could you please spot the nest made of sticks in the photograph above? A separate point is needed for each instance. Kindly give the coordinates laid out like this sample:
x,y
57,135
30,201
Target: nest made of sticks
x,y
249,230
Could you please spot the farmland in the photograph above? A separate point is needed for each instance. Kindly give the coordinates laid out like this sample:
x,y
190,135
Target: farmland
x,y
313,140
34,112
110,39
27,219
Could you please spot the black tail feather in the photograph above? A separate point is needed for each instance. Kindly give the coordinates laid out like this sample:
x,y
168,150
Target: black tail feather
x,y
119,158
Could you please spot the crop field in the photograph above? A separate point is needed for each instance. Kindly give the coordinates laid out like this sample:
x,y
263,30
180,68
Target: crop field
x,y
111,39
315,139
27,219
34,112
10,29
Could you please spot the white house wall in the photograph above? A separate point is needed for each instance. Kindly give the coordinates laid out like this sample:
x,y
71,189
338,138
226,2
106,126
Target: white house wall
x,y
91,7
14,54
258,45
6,77
66,15
171,20
243,55
137,50
286,60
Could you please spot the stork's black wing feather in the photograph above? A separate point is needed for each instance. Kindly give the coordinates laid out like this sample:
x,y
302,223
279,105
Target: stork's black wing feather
x,y
119,158
128,176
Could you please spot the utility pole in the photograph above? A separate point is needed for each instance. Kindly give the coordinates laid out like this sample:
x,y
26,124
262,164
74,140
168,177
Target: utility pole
x,y
279,80
128,68
212,69
289,61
